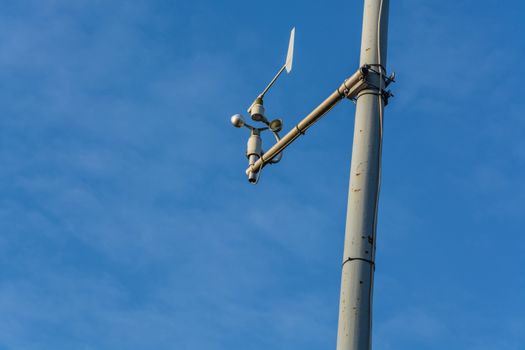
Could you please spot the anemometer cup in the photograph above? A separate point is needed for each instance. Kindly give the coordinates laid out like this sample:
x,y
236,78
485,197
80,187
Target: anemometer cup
x,y
276,125
237,121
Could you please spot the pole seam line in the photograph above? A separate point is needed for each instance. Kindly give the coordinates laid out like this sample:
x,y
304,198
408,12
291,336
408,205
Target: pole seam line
x,y
361,259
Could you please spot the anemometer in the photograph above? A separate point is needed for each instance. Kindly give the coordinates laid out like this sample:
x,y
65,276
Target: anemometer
x,y
368,77
256,110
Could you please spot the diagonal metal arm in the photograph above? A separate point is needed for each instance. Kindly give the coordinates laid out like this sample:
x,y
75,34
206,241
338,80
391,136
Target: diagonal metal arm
x,y
349,88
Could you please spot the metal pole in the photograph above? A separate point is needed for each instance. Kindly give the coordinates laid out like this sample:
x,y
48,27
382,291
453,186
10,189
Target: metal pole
x,y
355,309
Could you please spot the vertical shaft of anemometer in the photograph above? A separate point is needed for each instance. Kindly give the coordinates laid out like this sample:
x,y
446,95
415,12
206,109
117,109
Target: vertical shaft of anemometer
x,y
355,309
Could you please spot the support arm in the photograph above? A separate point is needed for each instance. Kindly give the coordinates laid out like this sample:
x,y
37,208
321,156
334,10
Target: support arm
x,y
349,88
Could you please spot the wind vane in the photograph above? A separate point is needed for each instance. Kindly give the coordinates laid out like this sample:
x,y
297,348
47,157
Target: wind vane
x,y
256,110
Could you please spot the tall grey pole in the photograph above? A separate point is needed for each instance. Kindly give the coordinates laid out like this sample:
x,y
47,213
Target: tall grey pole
x,y
355,309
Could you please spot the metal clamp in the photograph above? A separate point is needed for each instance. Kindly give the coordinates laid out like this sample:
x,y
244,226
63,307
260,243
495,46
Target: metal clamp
x,y
387,80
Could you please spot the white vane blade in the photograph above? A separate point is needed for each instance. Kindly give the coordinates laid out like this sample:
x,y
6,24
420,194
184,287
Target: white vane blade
x,y
289,56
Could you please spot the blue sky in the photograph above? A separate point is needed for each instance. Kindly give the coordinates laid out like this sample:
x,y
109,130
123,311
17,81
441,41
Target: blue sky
x,y
127,223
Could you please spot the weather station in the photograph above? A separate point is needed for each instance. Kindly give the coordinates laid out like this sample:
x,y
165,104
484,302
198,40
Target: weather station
x,y
367,88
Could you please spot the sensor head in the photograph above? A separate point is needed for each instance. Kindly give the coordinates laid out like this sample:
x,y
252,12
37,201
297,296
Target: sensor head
x,y
257,113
